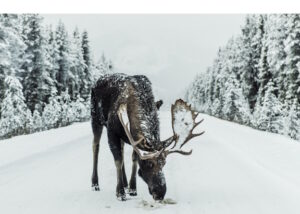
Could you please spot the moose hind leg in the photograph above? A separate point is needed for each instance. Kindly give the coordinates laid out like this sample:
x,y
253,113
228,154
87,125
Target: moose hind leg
x,y
115,147
132,184
96,144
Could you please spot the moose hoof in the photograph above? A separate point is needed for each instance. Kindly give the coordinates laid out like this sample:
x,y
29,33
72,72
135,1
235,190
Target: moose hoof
x,y
126,189
95,187
121,197
132,192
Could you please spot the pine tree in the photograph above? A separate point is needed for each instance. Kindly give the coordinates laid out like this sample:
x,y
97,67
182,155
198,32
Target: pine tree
x,y
28,127
53,54
77,69
231,109
264,73
268,115
67,112
102,67
277,33
37,81
80,111
292,121
252,34
37,124
13,108
64,62
292,49
11,48
86,84
51,116
5,59
236,108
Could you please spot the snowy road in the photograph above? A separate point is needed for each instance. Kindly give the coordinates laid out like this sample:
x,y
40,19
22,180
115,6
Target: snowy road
x,y
233,169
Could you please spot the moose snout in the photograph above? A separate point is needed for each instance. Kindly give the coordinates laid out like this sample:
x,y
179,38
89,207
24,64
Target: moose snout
x,y
157,198
158,192
158,188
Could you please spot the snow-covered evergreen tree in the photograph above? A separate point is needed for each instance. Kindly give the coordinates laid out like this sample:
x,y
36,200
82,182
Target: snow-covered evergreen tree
x,y
79,109
11,48
14,114
264,73
28,128
276,30
103,66
87,80
292,49
252,33
52,113
37,80
292,124
64,61
37,122
236,107
76,75
67,112
268,115
53,54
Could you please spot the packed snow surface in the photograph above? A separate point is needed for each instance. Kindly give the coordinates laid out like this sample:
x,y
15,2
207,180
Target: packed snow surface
x,y
233,169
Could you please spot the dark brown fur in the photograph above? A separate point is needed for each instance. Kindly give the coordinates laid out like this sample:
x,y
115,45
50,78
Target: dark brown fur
x,y
108,94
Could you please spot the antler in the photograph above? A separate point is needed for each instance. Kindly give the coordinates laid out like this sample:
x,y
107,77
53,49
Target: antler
x,y
122,114
191,135
183,124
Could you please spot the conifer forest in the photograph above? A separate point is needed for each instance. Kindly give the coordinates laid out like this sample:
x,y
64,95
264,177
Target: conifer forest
x,y
255,78
46,74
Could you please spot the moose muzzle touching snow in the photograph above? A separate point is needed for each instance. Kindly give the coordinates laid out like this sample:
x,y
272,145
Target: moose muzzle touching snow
x,y
125,106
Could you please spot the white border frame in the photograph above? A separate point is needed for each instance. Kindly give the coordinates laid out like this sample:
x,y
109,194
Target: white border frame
x,y
149,6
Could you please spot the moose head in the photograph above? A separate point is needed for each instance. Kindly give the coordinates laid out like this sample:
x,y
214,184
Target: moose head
x,y
152,157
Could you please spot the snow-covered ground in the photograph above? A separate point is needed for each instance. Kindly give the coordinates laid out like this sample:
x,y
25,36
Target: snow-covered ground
x,y
233,169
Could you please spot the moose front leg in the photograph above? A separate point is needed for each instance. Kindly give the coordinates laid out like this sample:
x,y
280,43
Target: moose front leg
x,y
120,190
97,130
123,167
116,149
132,184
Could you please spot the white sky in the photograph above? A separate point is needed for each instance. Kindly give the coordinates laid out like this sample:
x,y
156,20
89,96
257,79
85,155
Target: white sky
x,y
169,49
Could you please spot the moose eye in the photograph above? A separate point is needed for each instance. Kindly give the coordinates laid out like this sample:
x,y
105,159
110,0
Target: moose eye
x,y
151,164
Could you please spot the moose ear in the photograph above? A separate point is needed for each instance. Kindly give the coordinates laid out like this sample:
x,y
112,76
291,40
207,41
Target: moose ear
x,y
158,104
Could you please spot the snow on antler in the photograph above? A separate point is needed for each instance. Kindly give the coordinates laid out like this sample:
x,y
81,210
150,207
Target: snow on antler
x,y
183,124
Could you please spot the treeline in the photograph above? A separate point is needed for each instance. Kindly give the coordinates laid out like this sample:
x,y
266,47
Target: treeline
x,y
45,75
255,78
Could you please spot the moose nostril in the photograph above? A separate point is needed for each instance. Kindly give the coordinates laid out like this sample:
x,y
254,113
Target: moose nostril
x,y
157,198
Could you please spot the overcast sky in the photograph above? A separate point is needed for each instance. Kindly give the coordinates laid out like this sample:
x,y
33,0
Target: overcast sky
x,y
169,49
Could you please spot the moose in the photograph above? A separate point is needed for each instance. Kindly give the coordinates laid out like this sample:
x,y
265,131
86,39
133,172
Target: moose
x,y
125,106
